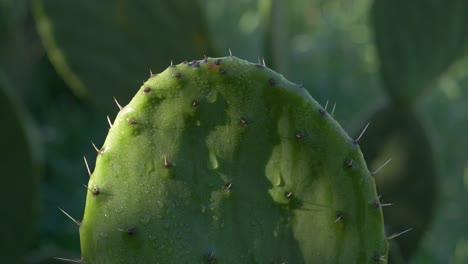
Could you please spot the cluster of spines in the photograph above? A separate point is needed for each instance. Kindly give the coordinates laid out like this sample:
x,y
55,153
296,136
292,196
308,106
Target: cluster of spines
x,y
300,135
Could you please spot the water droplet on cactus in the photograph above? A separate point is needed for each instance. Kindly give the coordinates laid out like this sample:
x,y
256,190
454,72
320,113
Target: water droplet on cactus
x,y
106,218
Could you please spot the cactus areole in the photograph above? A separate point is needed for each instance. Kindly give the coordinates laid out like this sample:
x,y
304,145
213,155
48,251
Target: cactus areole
x,y
225,161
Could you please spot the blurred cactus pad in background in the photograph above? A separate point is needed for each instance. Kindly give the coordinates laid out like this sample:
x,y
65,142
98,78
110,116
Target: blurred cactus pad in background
x,y
400,65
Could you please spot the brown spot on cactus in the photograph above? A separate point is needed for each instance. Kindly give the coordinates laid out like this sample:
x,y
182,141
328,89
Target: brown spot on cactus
x,y
147,89
95,190
132,121
213,67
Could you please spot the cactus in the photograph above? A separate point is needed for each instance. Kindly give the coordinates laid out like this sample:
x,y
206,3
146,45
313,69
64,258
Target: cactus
x,y
225,161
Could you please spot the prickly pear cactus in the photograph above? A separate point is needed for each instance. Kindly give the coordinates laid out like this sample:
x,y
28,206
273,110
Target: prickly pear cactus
x,y
225,161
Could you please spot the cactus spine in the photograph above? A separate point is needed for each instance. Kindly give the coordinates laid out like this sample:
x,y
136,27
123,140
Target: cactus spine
x,y
225,161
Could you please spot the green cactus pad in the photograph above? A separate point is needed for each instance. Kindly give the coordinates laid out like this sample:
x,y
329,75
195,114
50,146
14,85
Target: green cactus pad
x,y
225,161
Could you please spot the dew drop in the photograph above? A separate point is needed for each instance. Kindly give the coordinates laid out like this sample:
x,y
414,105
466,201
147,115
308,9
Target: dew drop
x,y
106,218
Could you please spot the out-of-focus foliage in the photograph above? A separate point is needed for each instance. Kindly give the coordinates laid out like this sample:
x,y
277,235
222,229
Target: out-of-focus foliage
x,y
103,48
11,13
416,41
335,48
444,111
409,182
19,196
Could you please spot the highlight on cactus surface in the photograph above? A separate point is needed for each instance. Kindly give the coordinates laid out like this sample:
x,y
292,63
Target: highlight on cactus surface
x,y
221,160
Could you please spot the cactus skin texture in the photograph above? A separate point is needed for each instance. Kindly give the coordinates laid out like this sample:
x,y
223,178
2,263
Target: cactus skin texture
x,y
225,161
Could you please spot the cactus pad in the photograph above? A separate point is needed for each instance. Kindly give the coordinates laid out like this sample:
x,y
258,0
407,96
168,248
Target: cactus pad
x,y
225,161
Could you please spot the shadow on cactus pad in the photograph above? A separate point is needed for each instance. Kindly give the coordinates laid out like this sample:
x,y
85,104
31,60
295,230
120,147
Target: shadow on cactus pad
x,y
408,183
